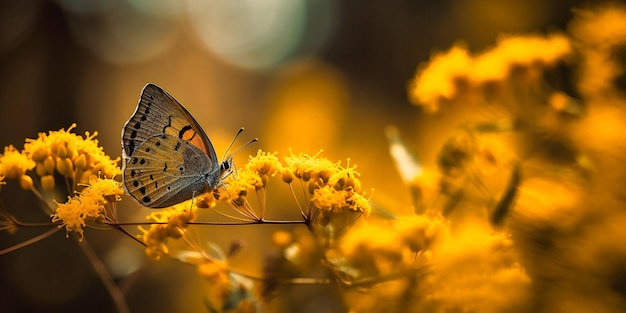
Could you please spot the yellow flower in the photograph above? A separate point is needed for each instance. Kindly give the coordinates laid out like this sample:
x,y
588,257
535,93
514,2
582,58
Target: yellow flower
x,y
330,200
437,80
264,164
238,185
495,64
447,73
373,249
599,33
106,187
310,167
473,269
87,206
419,232
14,164
602,27
175,219
335,190
74,156
253,176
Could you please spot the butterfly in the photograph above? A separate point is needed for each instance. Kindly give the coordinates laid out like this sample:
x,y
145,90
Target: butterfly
x,y
167,156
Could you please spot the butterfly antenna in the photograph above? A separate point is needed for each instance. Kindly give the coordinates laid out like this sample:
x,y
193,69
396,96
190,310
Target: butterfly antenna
x,y
247,144
233,142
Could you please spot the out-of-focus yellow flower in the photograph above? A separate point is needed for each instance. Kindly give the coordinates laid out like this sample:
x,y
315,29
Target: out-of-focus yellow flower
x,y
437,80
603,26
373,249
173,222
87,206
446,74
227,292
475,271
14,164
599,33
495,64
419,232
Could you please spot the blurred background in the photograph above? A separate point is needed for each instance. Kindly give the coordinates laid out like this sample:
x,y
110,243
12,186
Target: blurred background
x,y
306,75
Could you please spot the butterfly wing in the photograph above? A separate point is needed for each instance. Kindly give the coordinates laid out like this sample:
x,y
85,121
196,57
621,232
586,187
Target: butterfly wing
x,y
159,113
165,170
167,156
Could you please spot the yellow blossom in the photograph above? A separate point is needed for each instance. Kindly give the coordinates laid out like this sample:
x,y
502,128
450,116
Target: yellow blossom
x,y
446,73
14,164
602,27
236,186
106,188
172,223
253,176
264,164
475,270
495,64
87,206
599,33
437,80
419,232
306,167
373,249
333,203
74,156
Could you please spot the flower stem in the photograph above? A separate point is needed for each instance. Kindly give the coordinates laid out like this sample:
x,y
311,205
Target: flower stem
x,y
116,293
30,241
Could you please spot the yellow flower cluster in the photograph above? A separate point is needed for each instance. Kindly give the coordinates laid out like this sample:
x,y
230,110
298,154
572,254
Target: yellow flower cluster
x,y
253,176
14,165
73,156
476,271
169,223
332,189
599,34
89,205
447,74
375,249
226,292
335,189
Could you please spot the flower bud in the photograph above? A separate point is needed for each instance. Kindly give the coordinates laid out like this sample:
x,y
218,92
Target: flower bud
x,y
49,165
287,176
81,162
47,183
26,182
62,152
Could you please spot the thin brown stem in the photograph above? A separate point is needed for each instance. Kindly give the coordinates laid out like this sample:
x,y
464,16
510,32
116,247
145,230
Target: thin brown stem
x,y
255,222
30,241
116,293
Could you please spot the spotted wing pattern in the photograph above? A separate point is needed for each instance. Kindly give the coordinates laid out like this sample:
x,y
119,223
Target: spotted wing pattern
x,y
168,158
